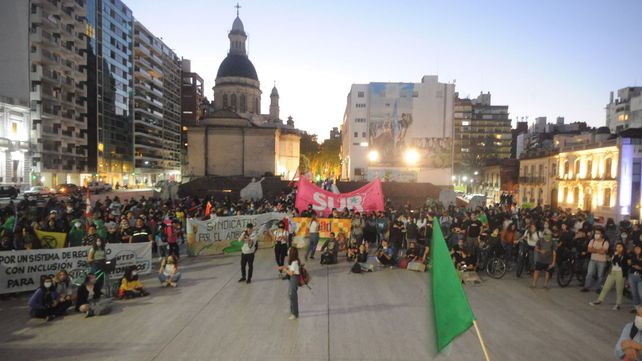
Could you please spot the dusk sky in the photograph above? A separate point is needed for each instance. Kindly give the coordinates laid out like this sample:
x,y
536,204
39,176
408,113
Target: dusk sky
x,y
541,58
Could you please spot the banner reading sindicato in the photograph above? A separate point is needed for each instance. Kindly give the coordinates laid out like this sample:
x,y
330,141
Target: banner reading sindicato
x,y
21,270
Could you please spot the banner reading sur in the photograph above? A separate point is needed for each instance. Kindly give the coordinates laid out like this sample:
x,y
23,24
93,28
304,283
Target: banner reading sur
x,y
368,198
214,235
340,227
21,270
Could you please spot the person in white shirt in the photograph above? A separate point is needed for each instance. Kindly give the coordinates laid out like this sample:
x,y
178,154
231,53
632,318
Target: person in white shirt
x,y
247,253
168,273
598,247
313,237
293,270
280,245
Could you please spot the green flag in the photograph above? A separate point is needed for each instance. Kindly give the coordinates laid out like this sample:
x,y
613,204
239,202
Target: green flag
x,y
453,315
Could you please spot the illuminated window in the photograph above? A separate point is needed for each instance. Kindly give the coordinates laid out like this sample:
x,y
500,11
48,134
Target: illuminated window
x,y
589,169
607,197
14,128
607,168
576,169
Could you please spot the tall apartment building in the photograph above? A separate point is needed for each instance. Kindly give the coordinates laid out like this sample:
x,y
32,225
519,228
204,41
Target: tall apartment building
x,y
157,104
482,132
399,132
625,111
110,89
192,97
43,61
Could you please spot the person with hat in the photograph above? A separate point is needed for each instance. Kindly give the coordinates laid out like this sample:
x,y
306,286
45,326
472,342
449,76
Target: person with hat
x,y
247,253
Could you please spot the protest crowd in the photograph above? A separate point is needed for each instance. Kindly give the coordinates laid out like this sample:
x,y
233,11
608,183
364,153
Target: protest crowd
x,y
606,257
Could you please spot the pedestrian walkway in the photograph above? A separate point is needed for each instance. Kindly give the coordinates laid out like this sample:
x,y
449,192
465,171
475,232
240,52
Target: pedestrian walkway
x,y
374,316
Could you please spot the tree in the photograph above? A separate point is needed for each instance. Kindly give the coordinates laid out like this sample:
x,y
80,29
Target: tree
x,y
320,159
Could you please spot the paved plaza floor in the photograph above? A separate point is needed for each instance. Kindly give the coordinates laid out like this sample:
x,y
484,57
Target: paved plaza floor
x,y
374,316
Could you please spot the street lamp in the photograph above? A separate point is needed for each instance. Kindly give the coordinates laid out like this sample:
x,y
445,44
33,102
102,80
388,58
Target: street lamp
x,y
411,157
465,178
373,155
476,173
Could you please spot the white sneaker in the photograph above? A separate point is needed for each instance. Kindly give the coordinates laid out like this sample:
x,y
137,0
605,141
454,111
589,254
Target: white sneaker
x,y
292,317
616,308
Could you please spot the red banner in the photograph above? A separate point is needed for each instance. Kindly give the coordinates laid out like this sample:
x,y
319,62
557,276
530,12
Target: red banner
x,y
367,198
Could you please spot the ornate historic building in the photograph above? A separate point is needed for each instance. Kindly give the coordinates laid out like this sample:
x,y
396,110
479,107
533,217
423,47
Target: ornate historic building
x,y
234,138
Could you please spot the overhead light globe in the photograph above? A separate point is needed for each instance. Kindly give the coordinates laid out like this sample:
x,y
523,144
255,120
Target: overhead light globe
x,y
373,155
411,157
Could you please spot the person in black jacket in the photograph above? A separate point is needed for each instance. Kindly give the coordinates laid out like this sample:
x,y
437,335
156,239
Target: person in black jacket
x,y
88,293
617,275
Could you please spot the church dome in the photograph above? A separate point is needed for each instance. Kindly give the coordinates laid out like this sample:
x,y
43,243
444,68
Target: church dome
x,y
237,65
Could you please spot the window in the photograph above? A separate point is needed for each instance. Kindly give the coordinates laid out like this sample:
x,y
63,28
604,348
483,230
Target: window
x,y
576,170
234,102
576,195
607,168
360,105
242,101
565,197
566,168
14,128
607,197
589,169
356,134
360,94
363,134
359,120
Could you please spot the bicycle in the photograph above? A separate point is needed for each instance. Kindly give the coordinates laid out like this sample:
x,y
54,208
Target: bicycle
x,y
523,257
494,262
571,265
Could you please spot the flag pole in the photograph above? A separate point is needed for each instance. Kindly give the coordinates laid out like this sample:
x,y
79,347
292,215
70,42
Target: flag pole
x,y
481,340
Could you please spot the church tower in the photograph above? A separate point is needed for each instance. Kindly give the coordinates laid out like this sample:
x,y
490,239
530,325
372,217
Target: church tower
x,y
274,104
237,84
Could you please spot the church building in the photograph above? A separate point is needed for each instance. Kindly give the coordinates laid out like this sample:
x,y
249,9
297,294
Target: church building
x,y
234,138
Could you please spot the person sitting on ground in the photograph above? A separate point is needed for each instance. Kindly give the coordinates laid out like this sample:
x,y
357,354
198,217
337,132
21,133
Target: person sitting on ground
x,y
629,345
63,290
87,295
330,250
385,254
352,250
168,273
362,258
44,302
412,254
130,285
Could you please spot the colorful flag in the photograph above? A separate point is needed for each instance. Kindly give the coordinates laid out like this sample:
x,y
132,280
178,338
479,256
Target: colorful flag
x,y
208,209
453,315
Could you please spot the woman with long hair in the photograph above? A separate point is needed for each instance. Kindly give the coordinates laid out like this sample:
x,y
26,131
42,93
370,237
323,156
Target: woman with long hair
x,y
63,289
617,275
44,302
635,272
293,270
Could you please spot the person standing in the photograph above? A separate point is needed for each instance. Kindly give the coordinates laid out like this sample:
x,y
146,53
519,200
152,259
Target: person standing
x,y
280,245
293,270
545,258
313,237
597,247
358,224
247,253
617,275
635,272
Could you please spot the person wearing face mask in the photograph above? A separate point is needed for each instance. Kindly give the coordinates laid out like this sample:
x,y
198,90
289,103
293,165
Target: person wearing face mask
x,y
44,302
617,275
97,257
130,285
629,346
168,273
76,234
597,248
635,275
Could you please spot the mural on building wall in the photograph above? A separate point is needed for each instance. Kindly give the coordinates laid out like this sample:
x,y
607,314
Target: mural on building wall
x,y
395,126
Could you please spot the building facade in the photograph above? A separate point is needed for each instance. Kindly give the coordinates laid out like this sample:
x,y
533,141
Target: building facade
x,y
157,104
15,142
110,91
482,132
192,101
536,180
626,111
499,177
399,132
44,63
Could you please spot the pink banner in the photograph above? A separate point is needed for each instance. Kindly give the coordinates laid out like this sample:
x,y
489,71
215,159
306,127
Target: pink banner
x,y
367,198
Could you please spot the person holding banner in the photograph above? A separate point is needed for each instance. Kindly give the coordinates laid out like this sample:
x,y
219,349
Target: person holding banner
x,y
247,253
313,237
280,246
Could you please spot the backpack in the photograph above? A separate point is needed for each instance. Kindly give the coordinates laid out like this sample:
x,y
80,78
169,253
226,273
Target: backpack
x,y
356,268
304,277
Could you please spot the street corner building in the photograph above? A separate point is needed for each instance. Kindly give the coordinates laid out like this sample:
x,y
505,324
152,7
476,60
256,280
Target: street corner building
x,y
233,138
